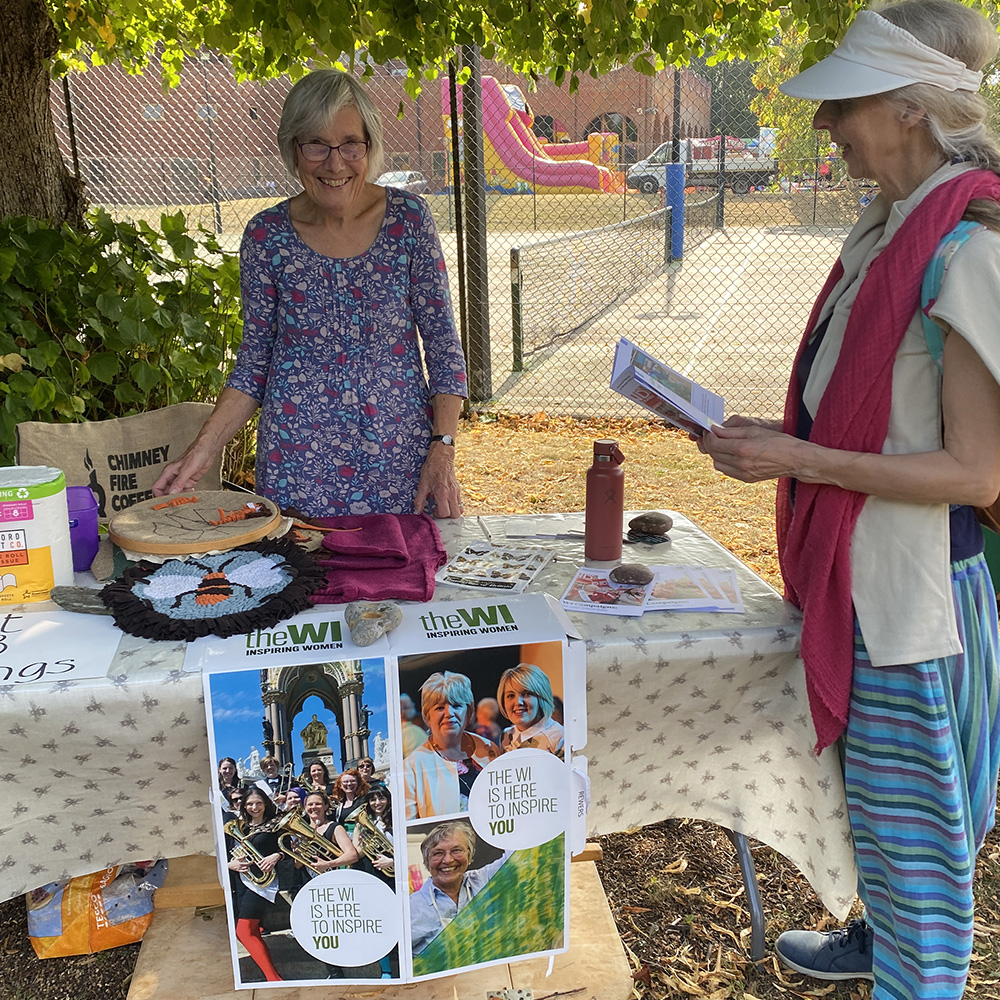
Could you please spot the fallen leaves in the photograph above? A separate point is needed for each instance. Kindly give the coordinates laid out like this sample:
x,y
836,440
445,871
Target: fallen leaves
x,y
538,464
642,975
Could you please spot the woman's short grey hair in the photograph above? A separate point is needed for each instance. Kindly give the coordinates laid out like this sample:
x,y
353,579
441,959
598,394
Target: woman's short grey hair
x,y
313,103
529,678
957,120
455,828
446,686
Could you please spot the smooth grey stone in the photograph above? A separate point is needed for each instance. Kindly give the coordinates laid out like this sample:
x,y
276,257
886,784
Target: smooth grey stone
x,y
651,523
634,573
82,600
370,620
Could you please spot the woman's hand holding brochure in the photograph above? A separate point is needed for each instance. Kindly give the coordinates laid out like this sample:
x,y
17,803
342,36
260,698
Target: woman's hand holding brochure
x,y
640,377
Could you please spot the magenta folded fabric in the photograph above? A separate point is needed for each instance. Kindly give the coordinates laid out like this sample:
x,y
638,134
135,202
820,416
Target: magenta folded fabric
x,y
366,541
413,581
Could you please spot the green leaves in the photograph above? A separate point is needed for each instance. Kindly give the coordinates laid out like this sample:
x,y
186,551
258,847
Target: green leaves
x,y
109,305
531,36
798,145
110,319
103,366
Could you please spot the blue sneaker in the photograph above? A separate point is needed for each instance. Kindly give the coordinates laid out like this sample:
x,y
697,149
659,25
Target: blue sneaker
x,y
835,955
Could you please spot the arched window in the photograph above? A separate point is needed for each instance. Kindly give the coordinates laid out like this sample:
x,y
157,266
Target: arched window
x,y
613,121
543,127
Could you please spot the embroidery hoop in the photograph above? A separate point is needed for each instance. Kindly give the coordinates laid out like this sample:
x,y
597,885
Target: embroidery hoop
x,y
182,525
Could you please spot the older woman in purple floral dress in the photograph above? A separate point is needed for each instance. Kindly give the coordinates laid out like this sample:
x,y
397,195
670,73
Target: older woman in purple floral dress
x,y
342,286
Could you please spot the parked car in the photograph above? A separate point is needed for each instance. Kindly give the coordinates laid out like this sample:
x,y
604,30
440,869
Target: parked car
x,y
405,180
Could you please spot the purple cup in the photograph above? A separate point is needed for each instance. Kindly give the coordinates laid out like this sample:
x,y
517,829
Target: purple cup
x,y
83,535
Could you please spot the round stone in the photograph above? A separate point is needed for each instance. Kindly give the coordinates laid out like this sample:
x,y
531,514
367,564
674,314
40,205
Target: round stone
x,y
651,523
632,573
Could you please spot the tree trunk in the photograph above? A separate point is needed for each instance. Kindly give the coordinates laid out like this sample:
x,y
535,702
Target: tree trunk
x,y
35,179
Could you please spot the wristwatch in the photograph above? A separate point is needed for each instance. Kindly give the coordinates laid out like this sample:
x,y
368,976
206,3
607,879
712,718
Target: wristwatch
x,y
444,439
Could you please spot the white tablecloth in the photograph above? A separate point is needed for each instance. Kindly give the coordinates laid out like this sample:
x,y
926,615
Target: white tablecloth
x,y
690,715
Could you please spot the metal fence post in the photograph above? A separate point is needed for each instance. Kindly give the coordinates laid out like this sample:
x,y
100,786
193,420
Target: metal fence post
x,y
516,327
720,205
213,166
816,179
667,241
456,192
70,128
478,360
675,120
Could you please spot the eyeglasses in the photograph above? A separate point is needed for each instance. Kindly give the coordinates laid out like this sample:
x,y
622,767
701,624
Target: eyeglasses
x,y
350,152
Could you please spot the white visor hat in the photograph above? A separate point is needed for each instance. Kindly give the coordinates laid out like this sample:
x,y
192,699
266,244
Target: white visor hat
x,y
876,56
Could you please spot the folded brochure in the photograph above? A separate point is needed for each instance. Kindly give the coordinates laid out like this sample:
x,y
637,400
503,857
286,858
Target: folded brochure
x,y
673,588
640,377
484,565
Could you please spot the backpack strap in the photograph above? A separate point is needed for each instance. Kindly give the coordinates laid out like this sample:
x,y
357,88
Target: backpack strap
x,y
930,288
933,279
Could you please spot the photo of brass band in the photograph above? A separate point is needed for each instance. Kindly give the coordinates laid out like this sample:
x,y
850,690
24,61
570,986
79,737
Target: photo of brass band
x,y
316,803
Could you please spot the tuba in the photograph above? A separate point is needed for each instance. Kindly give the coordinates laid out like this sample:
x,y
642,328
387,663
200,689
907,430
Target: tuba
x,y
245,851
373,841
302,843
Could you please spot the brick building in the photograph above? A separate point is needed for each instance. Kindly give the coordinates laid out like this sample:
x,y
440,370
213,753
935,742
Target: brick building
x,y
212,138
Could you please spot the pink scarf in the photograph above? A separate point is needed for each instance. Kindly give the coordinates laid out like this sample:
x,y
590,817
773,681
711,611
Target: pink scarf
x,y
814,535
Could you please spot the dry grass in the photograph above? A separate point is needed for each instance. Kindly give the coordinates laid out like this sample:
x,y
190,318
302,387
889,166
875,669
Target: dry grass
x,y
510,465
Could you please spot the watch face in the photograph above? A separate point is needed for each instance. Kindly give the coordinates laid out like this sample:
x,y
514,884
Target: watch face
x,y
443,438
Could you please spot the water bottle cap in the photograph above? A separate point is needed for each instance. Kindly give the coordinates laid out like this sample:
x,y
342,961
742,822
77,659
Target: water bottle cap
x,y
607,448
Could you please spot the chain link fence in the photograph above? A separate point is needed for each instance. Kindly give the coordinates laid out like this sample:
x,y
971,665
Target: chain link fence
x,y
567,217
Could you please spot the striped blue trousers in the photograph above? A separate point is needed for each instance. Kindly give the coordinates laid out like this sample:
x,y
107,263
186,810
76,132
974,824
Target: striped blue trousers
x,y
921,754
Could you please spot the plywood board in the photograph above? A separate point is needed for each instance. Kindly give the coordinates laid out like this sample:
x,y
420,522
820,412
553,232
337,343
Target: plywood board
x,y
191,881
186,957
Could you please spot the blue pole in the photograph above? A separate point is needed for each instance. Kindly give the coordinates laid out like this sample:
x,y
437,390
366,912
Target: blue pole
x,y
674,187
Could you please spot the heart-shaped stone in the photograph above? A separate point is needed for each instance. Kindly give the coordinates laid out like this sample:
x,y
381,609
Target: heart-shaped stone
x,y
370,620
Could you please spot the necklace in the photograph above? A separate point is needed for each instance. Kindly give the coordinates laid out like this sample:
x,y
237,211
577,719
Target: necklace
x,y
445,751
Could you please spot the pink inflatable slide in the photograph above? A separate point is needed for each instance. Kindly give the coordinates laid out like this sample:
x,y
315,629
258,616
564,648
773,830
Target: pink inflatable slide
x,y
514,158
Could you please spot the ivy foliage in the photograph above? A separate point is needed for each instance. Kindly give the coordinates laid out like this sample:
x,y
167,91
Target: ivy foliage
x,y
110,319
558,38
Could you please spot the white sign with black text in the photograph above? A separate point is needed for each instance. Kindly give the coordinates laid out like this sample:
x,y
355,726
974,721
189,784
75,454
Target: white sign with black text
x,y
56,646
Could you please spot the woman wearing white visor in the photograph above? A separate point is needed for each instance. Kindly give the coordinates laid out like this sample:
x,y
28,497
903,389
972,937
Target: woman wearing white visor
x,y
891,433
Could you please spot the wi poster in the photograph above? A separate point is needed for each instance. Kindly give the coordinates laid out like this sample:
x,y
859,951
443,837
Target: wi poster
x,y
403,811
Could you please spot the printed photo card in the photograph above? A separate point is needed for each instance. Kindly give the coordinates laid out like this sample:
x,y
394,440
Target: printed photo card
x,y
364,843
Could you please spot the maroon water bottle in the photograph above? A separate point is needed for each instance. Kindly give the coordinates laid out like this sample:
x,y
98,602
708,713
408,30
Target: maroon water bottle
x,y
602,533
